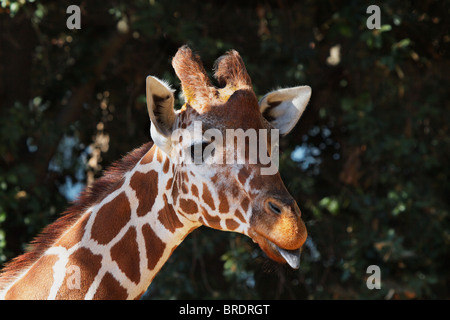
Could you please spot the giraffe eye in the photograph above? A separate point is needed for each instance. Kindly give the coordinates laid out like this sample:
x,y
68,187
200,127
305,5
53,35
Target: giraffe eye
x,y
198,154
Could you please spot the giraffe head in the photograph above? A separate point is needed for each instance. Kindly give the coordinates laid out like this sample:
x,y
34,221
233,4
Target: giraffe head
x,y
222,145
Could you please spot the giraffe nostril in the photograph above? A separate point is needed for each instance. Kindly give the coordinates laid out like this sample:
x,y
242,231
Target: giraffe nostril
x,y
274,207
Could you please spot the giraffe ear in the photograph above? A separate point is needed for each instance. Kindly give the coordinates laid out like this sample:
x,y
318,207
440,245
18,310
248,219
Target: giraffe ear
x,y
160,102
283,107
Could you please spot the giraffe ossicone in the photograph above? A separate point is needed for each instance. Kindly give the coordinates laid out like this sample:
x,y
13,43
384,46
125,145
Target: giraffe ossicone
x,y
213,163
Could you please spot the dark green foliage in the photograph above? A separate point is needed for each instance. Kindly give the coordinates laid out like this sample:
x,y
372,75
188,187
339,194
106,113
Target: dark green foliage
x,y
370,170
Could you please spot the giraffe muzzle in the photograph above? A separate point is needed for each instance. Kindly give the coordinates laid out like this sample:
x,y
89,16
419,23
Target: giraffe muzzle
x,y
279,230
276,253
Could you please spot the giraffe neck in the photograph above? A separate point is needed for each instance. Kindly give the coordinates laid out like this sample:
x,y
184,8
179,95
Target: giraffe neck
x,y
117,245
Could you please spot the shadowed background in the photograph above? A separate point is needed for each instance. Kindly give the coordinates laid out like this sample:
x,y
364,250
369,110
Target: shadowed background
x,y
368,163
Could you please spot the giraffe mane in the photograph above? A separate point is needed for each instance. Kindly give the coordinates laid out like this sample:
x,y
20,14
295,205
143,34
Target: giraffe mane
x,y
91,195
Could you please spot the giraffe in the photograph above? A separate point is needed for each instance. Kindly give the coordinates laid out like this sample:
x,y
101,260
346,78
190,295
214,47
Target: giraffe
x,y
115,238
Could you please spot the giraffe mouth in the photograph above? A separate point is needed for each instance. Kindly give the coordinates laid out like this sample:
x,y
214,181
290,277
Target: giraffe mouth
x,y
276,253
292,257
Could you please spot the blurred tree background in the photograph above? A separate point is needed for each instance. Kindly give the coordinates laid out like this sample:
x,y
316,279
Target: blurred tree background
x,y
368,162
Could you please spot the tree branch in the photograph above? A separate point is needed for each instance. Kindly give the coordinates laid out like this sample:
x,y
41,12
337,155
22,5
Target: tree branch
x,y
74,108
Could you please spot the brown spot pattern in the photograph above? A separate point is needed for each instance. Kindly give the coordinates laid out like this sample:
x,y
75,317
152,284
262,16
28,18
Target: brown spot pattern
x,y
89,265
235,191
110,219
239,215
188,206
168,217
154,246
185,176
166,165
169,184
223,204
145,184
110,289
231,224
207,197
212,221
244,204
243,175
194,190
175,190
126,254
